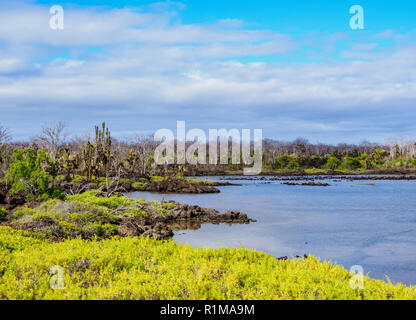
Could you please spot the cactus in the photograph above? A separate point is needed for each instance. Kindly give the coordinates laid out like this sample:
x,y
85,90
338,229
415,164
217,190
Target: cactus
x,y
90,164
103,148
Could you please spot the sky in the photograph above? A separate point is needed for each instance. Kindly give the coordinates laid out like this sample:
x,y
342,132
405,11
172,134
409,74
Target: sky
x,y
292,68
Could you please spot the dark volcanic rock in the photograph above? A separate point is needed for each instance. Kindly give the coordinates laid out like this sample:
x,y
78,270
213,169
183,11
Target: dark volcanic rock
x,y
181,217
144,228
15,200
312,184
177,186
183,212
3,192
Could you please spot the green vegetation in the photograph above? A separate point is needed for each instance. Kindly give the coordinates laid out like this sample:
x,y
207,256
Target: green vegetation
x,y
83,215
79,230
104,161
195,180
142,268
144,182
3,214
33,173
300,155
333,163
282,162
315,171
352,163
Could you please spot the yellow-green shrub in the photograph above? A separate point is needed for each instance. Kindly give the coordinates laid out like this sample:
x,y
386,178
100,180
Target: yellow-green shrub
x,y
84,215
138,268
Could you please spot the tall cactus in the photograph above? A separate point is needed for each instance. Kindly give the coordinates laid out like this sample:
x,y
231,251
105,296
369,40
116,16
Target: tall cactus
x,y
68,162
103,148
90,164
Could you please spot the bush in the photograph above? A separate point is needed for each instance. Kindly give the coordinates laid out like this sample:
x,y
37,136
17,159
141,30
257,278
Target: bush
x,y
146,269
333,163
83,215
33,173
3,214
353,163
293,165
282,162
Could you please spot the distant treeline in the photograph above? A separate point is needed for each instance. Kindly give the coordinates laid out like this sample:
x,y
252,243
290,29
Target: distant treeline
x,y
102,156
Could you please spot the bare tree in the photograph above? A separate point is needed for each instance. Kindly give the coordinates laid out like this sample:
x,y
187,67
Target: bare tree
x,y
52,137
5,150
144,146
4,135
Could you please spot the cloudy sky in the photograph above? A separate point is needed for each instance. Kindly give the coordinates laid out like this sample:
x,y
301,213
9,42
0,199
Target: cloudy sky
x,y
291,68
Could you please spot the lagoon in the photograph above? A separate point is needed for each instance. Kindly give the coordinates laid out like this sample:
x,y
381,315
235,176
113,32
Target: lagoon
x,y
366,223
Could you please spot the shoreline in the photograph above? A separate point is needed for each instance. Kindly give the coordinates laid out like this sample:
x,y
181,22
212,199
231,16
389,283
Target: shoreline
x,y
322,176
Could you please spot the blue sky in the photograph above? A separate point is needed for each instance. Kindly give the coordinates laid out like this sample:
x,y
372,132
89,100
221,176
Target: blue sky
x,y
291,68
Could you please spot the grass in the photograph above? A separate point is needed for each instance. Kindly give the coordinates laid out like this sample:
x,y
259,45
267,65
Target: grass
x,y
315,171
196,180
139,268
141,184
234,172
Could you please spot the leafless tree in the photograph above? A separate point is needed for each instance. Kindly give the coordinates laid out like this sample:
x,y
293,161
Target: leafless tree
x,y
4,135
5,150
144,146
52,137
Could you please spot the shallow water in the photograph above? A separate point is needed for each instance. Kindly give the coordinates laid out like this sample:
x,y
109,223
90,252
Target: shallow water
x,y
367,223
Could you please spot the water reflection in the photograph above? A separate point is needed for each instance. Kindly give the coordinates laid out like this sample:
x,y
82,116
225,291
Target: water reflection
x,y
372,224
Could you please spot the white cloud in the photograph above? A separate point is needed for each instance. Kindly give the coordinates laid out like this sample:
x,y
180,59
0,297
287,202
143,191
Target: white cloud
x,y
386,34
149,68
365,46
9,64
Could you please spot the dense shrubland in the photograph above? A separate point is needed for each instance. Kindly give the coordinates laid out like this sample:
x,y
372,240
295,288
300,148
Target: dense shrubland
x,y
142,268
302,155
85,215
104,157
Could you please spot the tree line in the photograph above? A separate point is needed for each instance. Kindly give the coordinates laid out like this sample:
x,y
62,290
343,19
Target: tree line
x,y
103,156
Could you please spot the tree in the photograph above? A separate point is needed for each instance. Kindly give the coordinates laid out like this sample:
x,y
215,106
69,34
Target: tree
x,y
353,163
144,147
5,150
293,165
4,135
333,163
282,162
52,137
33,172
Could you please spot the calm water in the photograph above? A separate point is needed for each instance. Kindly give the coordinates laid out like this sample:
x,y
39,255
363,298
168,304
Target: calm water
x,y
367,223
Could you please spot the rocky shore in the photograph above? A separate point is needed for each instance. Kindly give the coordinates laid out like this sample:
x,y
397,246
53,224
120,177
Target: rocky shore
x,y
177,186
169,185
310,184
96,214
350,177
179,218
303,173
